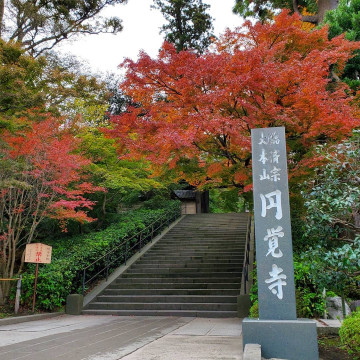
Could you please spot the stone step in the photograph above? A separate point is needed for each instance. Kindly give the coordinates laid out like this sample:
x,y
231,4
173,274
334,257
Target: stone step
x,y
176,243
180,274
187,263
167,299
175,285
204,236
173,292
202,244
194,253
194,270
227,248
181,270
195,266
178,313
162,306
183,280
197,257
220,253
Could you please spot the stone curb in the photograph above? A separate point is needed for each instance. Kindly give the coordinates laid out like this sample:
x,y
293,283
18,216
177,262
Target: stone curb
x,y
252,352
329,330
27,318
326,327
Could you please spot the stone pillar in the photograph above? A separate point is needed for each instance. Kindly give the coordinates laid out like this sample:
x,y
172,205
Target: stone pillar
x,y
277,330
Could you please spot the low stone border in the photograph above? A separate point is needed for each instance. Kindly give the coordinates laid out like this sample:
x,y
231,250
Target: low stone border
x,y
26,318
252,352
328,327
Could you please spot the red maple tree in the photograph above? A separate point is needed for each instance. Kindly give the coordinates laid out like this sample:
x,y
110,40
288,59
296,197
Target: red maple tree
x,y
195,113
41,176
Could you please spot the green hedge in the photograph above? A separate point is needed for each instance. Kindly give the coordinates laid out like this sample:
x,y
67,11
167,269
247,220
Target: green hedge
x,y
64,275
309,300
350,334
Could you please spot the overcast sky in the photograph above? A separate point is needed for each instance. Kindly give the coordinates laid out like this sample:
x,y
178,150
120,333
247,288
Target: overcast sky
x,y
141,31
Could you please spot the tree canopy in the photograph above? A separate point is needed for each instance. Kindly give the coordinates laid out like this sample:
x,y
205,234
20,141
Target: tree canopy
x,y
40,25
310,11
189,26
40,177
196,112
345,19
43,84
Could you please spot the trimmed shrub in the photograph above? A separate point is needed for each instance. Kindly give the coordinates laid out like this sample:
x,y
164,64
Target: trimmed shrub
x,y
350,334
254,310
71,255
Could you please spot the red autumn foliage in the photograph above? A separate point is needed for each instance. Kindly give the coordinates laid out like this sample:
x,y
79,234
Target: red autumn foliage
x,y
46,175
197,111
41,176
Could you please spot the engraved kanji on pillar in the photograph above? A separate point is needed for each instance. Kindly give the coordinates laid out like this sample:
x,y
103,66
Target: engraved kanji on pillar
x,y
274,254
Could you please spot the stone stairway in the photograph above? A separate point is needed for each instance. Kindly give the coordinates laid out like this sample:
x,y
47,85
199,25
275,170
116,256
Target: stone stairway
x,y
194,270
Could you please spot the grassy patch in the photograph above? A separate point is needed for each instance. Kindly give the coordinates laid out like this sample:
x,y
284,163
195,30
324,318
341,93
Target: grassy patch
x,y
330,348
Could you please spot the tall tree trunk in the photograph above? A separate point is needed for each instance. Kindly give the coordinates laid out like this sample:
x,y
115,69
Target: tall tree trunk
x,y
4,285
323,7
2,7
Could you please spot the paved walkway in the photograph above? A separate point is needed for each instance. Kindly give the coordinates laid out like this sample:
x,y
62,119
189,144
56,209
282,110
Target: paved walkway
x,y
129,338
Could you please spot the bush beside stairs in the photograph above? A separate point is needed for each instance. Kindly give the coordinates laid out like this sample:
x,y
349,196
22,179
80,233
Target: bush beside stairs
x,y
194,270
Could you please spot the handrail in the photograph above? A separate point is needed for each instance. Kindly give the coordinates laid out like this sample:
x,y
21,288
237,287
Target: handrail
x,y
248,262
9,279
165,219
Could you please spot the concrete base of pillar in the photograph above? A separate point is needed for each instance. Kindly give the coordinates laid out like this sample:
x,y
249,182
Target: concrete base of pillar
x,y
74,304
243,305
284,339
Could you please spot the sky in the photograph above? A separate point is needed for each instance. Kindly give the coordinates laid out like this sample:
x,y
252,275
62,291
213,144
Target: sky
x,y
105,52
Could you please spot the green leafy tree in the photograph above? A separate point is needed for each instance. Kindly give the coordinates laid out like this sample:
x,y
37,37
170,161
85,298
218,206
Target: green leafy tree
x,y
226,200
118,177
40,25
332,201
19,87
346,19
310,10
189,26
333,197
47,84
336,269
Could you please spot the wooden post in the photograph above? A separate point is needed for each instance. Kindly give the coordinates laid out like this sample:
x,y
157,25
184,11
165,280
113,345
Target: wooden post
x,y
18,294
35,284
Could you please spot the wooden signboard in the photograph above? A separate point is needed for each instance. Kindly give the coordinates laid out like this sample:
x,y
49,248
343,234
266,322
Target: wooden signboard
x,y
38,253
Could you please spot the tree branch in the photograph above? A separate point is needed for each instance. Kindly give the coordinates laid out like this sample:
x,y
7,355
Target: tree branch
x,y
313,19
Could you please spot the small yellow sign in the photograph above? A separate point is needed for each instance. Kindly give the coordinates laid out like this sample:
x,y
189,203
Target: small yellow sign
x,y
38,253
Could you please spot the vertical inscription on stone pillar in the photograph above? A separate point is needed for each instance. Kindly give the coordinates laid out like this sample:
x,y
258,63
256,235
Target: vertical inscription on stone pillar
x,y
274,255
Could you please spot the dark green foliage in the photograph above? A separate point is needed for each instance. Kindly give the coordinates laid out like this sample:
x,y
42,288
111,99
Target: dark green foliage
x,y
71,255
346,19
264,10
20,75
309,300
332,219
350,334
298,216
118,101
254,310
334,269
189,26
259,8
226,200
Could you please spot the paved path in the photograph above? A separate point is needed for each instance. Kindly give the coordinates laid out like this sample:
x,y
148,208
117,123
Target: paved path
x,y
129,338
